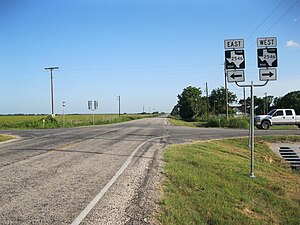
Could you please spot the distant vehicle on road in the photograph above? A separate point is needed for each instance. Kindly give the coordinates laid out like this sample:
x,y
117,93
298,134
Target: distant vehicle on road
x,y
277,117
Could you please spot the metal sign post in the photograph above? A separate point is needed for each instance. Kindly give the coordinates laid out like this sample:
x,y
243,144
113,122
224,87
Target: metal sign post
x,y
252,122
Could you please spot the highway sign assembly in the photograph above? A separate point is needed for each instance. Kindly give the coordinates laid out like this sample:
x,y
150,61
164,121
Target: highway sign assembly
x,y
267,74
267,57
234,59
235,76
234,72
92,107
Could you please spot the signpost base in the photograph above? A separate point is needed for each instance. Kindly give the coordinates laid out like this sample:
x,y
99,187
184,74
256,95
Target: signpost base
x,y
252,175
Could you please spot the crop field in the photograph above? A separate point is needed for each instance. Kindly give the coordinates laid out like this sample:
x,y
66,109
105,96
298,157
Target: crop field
x,y
44,121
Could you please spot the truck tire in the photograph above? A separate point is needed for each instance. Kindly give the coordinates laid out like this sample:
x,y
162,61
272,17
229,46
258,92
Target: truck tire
x,y
265,125
259,127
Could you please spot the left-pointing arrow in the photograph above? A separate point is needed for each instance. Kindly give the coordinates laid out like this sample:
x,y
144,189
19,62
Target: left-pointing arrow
x,y
233,76
270,74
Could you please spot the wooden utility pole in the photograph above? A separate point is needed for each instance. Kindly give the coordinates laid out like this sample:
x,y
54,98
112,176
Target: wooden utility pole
x,y
52,94
119,99
207,107
266,104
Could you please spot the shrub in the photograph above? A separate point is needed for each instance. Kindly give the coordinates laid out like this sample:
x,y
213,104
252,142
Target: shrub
x,y
232,122
216,122
238,122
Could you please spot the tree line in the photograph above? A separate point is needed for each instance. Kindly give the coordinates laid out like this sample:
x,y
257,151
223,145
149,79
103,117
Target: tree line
x,y
191,103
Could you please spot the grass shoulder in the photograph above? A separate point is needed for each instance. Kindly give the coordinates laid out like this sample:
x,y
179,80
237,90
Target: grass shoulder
x,y
5,137
214,121
178,122
208,183
232,122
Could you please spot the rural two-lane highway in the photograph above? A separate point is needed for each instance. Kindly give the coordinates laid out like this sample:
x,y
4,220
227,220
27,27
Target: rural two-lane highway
x,y
90,175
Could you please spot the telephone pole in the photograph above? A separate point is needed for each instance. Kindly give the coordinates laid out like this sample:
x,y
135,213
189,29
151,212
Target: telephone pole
x,y
266,104
207,105
52,98
119,99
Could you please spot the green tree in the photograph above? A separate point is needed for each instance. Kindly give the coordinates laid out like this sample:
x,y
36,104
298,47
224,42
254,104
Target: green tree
x,y
258,105
262,105
217,100
190,103
291,101
268,100
175,110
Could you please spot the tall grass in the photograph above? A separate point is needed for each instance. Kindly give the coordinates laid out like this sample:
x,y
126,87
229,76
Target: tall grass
x,y
232,122
178,122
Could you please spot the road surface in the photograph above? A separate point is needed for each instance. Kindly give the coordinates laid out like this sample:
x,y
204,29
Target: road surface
x,y
91,175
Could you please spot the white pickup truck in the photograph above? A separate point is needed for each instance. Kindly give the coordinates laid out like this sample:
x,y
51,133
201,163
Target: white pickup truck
x,y
277,117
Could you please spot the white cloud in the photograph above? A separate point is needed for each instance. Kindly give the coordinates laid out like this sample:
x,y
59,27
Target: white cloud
x,y
296,19
292,44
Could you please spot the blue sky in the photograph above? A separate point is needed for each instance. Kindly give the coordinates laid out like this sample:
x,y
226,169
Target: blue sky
x,y
147,51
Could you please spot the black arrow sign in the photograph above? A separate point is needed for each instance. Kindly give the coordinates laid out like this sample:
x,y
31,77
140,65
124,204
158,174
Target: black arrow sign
x,y
233,76
270,74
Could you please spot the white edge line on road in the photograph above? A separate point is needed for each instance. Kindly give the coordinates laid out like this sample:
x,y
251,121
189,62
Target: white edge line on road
x,y
92,204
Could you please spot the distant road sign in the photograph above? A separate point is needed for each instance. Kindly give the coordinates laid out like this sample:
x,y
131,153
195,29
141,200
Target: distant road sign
x,y
234,43
234,59
267,42
90,105
267,57
267,74
235,76
95,105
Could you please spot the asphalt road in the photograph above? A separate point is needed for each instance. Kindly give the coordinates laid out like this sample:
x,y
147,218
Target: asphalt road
x,y
91,175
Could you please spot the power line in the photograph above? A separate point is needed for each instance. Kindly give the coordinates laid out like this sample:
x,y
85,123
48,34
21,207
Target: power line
x,y
141,67
267,17
280,18
277,21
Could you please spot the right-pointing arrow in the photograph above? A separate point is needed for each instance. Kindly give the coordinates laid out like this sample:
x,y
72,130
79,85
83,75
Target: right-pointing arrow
x,y
270,74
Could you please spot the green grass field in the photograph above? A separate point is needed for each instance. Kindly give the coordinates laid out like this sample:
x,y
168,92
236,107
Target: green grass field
x,y
36,121
208,183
